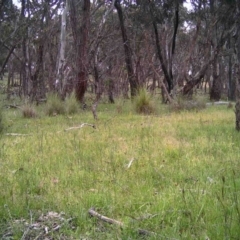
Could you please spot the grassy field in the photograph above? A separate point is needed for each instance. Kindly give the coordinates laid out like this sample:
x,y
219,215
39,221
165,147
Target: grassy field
x,y
174,174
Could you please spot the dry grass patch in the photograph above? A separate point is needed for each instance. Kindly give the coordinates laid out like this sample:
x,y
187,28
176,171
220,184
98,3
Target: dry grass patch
x,y
29,111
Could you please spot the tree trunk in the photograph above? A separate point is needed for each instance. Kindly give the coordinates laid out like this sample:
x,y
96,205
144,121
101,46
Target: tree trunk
x,y
81,44
231,80
60,83
6,60
128,53
37,77
160,57
237,46
216,89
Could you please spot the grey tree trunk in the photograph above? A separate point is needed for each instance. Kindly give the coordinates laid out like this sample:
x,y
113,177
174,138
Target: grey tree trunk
x,y
237,46
60,78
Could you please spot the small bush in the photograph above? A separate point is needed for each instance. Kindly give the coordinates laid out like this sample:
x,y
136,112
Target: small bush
x,y
28,111
54,105
71,104
143,102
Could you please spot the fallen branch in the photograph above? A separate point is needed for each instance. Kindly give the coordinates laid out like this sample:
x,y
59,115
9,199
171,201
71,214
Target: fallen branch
x,y
82,125
13,106
17,134
93,213
218,103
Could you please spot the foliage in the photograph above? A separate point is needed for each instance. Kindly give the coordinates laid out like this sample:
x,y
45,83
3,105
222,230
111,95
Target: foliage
x,y
28,111
71,104
54,105
143,102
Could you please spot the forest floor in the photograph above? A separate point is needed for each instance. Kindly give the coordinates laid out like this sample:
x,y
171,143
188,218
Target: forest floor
x,y
171,175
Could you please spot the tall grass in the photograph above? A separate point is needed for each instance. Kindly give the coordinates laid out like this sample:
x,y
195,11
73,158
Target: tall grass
x,y
71,104
144,103
159,173
55,105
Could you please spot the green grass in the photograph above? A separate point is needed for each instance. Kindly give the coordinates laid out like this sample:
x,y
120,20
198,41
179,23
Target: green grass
x,y
183,183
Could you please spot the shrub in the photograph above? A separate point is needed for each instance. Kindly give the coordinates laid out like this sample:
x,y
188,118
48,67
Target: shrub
x,y
71,104
54,105
28,111
144,103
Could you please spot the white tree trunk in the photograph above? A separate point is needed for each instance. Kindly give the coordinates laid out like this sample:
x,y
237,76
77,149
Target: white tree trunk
x,y
60,79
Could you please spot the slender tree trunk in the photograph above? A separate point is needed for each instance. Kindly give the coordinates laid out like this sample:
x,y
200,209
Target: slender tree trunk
x,y
166,73
37,77
128,53
216,89
231,80
60,83
237,110
6,60
24,68
160,57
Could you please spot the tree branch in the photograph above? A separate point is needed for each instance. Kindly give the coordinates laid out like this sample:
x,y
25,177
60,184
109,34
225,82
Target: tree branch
x,y
93,213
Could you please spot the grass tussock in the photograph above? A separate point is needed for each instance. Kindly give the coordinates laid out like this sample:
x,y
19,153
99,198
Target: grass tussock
x,y
54,106
177,175
28,111
71,104
143,102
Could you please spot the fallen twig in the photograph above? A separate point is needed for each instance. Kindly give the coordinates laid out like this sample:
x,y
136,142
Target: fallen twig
x,y
82,125
17,134
130,163
218,103
93,213
12,106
